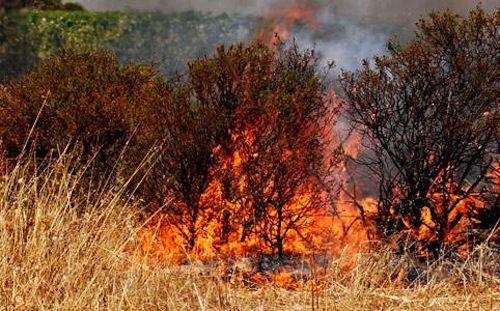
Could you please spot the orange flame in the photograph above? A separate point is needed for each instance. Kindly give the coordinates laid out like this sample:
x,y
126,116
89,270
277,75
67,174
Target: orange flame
x,y
331,234
345,231
279,21
220,240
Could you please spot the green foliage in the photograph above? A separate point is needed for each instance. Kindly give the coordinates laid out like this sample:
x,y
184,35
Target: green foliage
x,y
79,30
17,51
430,113
170,39
31,37
173,39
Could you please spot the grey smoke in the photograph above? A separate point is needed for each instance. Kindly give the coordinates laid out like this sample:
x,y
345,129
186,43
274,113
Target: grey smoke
x,y
380,8
349,30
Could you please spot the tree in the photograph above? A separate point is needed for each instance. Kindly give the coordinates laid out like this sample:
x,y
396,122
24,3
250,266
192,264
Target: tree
x,y
190,126
429,113
271,105
85,100
184,131
283,154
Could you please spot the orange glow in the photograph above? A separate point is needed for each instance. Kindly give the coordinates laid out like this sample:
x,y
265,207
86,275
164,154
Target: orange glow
x,y
453,212
352,146
220,238
342,225
279,21
329,234
284,279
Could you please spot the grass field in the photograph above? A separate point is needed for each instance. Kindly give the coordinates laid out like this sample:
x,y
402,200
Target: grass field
x,y
65,246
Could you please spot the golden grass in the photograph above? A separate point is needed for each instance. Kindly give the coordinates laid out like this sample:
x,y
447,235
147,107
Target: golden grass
x,y
66,247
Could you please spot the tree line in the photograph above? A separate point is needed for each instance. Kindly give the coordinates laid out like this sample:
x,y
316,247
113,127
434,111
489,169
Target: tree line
x,y
10,5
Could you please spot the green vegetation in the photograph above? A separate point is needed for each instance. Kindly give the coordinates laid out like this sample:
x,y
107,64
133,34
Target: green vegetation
x,y
168,39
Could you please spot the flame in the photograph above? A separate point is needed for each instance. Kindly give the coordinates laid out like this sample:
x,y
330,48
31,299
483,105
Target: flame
x,y
352,146
348,230
220,239
452,217
279,21
284,279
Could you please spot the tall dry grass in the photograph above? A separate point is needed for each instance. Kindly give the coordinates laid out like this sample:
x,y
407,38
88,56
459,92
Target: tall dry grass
x,y
69,246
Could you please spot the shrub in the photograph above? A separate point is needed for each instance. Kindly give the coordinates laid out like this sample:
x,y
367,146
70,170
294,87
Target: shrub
x,y
269,105
429,112
85,100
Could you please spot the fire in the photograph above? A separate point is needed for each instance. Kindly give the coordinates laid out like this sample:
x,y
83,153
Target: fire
x,y
452,217
279,21
222,236
352,146
347,230
284,279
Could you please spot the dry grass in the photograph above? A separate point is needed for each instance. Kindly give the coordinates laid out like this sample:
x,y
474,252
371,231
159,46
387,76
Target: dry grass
x,y
67,247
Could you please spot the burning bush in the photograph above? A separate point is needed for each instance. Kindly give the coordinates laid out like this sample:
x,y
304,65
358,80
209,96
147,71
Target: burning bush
x,y
430,115
273,181
243,156
185,132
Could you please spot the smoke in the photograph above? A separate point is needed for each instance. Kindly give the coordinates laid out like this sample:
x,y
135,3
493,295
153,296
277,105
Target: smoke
x,y
394,9
347,30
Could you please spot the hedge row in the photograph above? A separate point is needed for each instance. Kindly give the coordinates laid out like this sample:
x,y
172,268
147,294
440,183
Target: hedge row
x,y
170,39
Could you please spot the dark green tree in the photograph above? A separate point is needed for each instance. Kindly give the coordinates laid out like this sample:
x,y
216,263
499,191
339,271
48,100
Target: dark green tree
x,y
39,4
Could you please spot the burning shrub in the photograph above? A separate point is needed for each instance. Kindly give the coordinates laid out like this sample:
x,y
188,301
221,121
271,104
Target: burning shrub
x,y
270,105
84,100
242,155
429,113
185,133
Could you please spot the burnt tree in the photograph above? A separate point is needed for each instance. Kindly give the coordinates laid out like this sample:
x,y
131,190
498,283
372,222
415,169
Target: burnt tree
x,y
429,113
273,106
